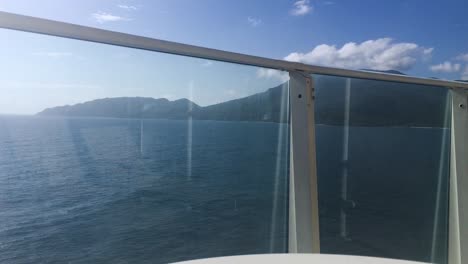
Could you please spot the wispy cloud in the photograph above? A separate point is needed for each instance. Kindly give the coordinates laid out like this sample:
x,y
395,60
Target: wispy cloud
x,y
428,51
103,17
464,75
454,65
463,57
328,3
446,67
127,7
254,22
301,8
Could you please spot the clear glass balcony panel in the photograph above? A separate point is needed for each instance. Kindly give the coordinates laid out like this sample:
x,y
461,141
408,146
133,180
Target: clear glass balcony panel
x,y
383,168
117,155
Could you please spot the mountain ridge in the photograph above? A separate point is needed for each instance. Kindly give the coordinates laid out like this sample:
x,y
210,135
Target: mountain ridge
x,y
372,103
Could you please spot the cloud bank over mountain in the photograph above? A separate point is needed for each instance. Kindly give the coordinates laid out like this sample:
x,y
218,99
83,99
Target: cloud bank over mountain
x,y
379,54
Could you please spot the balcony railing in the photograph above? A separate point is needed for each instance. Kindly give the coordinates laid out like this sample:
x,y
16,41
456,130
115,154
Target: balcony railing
x,y
365,174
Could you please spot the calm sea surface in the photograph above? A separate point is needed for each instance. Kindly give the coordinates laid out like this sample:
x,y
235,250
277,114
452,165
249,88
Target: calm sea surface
x,y
157,191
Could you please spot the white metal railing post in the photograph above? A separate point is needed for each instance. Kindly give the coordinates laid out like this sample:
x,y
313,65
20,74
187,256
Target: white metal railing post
x,y
304,216
458,212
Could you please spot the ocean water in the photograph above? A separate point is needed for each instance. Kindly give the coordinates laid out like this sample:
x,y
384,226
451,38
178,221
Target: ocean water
x,y
397,192
156,191
131,191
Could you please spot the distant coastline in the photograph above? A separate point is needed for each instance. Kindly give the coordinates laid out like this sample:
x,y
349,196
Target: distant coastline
x,y
265,107
391,105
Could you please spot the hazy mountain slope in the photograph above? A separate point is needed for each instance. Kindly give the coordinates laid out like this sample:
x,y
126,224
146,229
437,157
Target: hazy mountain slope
x,y
126,107
372,103
270,105
379,103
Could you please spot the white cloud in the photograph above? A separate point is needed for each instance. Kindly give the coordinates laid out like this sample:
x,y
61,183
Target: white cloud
x,y
102,17
446,67
254,22
452,66
464,75
272,74
127,7
379,54
328,3
301,7
463,57
428,51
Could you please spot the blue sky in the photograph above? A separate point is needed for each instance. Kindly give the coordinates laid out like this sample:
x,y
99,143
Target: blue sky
x,y
421,38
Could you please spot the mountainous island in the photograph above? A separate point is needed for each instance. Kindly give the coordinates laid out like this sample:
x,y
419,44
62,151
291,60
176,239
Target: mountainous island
x,y
372,103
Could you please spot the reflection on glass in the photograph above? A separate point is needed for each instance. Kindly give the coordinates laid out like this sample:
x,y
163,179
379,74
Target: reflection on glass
x,y
382,153
116,155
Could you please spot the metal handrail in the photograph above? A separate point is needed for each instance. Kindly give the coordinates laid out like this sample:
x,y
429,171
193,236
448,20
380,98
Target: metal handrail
x,y
84,33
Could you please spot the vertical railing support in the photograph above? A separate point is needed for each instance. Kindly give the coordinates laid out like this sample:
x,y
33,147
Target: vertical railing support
x,y
304,216
458,216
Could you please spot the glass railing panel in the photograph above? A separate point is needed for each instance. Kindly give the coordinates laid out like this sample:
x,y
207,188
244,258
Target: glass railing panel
x,y
383,168
117,155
